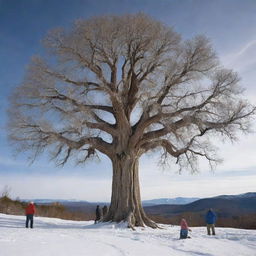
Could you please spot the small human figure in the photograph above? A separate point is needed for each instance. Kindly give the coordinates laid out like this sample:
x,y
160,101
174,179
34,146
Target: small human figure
x,y
98,214
30,211
104,210
184,229
210,219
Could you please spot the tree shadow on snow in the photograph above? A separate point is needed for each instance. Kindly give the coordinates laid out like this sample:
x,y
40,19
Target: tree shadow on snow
x,y
12,223
195,252
20,223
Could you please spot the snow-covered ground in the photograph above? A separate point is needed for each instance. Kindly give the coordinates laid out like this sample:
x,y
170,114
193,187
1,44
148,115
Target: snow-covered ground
x,y
55,237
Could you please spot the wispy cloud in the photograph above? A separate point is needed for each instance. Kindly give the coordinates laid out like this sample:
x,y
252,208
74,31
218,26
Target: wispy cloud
x,y
57,187
245,48
243,58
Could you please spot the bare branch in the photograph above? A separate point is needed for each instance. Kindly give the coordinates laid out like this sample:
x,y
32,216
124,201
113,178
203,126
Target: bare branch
x,y
107,71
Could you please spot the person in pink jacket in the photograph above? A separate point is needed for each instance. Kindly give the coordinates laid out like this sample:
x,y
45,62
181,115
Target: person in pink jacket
x,y
184,229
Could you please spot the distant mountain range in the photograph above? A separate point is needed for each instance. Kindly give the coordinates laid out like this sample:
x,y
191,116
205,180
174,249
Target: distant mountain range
x,y
224,206
153,202
49,201
89,207
177,200
240,196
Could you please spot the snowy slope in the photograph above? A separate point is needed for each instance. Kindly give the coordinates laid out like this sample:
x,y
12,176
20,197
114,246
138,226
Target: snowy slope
x,y
55,237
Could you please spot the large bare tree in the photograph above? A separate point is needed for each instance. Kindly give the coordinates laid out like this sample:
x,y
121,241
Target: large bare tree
x,y
124,86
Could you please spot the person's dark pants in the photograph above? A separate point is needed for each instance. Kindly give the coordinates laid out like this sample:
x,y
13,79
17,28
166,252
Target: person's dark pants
x,y
29,218
183,233
210,227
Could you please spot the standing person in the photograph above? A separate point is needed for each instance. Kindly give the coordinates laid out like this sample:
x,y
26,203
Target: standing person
x,y
104,210
210,219
184,229
30,211
98,214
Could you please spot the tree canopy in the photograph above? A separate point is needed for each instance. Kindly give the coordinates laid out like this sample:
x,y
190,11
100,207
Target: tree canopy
x,y
124,86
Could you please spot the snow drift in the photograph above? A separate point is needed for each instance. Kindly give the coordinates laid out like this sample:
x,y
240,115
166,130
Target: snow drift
x,y
52,237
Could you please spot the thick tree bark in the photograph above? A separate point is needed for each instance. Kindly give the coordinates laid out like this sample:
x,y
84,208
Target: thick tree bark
x,y
126,192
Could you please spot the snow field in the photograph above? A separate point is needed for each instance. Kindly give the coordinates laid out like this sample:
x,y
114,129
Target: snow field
x,y
55,237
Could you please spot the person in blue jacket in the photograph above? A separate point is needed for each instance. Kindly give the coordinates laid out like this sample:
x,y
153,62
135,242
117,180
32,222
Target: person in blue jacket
x,y
210,219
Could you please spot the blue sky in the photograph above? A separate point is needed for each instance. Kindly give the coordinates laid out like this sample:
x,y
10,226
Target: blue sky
x,y
230,25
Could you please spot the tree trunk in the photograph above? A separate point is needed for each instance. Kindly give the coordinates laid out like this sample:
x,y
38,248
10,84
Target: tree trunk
x,y
126,192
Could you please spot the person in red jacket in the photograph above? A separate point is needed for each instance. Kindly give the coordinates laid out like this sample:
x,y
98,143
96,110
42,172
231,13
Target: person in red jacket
x,y
30,211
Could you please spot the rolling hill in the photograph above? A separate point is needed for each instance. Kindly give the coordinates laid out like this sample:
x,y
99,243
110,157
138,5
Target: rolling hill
x,y
224,205
232,211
